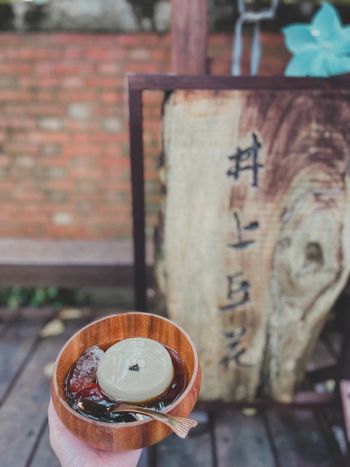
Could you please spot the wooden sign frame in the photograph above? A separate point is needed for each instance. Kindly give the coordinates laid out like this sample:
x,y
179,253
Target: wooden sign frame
x,y
137,84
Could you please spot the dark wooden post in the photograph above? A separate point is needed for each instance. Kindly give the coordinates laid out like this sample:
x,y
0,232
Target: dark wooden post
x,y
189,31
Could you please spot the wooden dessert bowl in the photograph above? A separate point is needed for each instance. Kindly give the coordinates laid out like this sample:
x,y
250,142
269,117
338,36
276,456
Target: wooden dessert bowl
x,y
105,332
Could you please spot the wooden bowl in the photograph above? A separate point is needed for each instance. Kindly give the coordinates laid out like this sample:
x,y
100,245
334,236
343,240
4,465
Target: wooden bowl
x,y
105,332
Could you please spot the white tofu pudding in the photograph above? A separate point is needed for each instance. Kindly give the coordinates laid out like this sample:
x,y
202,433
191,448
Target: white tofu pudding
x,y
135,370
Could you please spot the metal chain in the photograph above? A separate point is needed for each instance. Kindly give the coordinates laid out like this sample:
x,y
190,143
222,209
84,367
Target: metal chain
x,y
248,16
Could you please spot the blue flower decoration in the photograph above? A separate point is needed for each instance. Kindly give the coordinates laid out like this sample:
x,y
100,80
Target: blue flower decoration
x,y
321,48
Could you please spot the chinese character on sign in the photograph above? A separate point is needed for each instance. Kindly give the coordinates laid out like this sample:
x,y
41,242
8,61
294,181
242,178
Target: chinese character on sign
x,y
246,159
237,291
243,243
234,348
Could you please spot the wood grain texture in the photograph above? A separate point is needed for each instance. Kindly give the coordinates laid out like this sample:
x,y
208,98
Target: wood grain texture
x,y
31,393
345,398
17,343
7,317
254,311
298,440
44,455
67,263
189,31
241,440
105,332
196,450
35,450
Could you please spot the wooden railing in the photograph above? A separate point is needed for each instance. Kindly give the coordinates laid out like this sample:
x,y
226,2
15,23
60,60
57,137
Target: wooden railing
x,y
66,263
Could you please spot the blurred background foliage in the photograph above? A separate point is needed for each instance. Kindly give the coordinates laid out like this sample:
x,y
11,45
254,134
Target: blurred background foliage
x,y
141,15
15,297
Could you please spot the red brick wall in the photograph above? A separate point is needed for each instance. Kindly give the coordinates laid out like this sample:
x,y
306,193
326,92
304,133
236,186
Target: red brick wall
x,y
64,168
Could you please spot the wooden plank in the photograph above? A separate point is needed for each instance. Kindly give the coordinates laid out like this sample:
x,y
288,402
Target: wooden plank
x,y
345,399
169,82
67,263
44,455
137,83
65,252
194,451
242,440
138,193
297,440
25,410
17,343
66,276
144,459
189,31
7,316
264,273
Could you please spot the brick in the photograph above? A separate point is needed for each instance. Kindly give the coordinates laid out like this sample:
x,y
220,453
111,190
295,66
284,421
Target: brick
x,y
38,109
58,184
17,95
53,172
74,125
51,123
41,137
72,151
64,121
25,162
17,146
139,54
3,174
17,122
72,82
77,95
84,207
109,97
44,95
103,82
62,218
28,197
50,149
73,52
14,68
112,124
109,68
80,111
57,196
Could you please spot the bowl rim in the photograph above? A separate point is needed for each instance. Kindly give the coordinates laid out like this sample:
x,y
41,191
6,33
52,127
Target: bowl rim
x,y
121,426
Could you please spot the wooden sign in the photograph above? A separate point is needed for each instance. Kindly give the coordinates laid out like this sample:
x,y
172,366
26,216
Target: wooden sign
x,y
254,239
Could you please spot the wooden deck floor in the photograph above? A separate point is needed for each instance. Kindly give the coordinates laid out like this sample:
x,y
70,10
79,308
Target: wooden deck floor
x,y
223,439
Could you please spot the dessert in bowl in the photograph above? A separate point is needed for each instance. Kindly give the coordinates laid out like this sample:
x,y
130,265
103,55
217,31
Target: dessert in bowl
x,y
172,388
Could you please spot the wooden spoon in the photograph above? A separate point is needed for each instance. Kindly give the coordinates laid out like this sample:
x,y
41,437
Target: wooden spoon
x,y
180,425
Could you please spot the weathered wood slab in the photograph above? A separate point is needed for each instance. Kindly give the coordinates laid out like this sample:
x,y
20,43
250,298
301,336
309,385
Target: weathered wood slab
x,y
144,458
239,441
7,316
44,455
242,440
345,397
31,392
195,450
17,343
253,245
298,440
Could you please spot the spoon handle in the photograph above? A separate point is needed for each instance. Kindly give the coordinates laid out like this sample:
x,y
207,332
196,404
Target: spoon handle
x,y
180,425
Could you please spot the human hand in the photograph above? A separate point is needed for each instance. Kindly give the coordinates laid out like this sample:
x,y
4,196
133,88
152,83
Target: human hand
x,y
72,452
